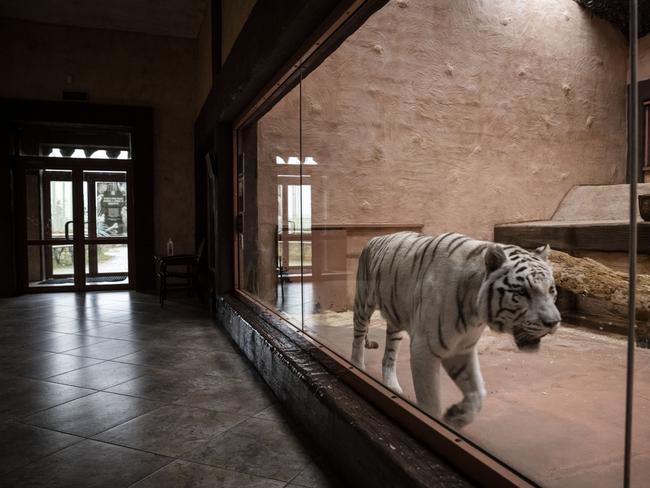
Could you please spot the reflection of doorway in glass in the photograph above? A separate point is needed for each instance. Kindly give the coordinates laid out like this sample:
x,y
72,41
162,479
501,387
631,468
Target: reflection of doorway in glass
x,y
294,222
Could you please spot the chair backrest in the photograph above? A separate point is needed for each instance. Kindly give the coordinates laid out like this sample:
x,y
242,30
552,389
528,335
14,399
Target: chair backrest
x,y
199,253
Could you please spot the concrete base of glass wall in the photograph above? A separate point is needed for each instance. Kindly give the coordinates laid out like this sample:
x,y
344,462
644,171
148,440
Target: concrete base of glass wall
x,y
364,446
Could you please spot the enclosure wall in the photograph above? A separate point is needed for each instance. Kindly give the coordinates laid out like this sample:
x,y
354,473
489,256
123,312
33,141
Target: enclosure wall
x,y
500,105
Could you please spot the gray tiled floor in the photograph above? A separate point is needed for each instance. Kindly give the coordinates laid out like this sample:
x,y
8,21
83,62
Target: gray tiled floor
x,y
107,389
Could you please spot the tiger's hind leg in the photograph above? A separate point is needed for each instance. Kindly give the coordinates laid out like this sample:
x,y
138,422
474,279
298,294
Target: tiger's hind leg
x,y
363,309
360,341
394,338
466,373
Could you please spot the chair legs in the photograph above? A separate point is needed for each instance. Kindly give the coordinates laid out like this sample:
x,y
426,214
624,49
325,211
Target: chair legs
x,y
163,289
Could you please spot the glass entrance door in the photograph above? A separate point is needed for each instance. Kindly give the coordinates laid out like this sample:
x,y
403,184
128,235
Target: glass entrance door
x,y
106,244
49,203
76,228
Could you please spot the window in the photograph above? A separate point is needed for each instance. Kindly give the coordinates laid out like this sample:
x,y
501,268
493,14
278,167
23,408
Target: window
x,y
456,126
73,142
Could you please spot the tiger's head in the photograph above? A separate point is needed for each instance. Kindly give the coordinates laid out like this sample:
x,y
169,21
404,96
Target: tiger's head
x,y
518,294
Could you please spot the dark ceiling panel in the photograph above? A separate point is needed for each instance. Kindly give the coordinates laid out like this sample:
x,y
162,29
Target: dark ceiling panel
x,y
616,12
175,18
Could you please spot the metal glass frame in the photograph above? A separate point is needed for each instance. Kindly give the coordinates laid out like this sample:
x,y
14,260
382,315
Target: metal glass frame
x,y
79,240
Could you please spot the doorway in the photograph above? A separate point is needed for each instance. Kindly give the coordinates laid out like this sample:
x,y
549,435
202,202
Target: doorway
x,y
294,226
76,231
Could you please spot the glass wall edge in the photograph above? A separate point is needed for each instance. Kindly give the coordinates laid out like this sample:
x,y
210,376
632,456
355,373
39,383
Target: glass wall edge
x,y
633,154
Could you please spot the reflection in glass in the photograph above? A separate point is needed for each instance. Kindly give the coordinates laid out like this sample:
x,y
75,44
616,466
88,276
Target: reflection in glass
x,y
271,217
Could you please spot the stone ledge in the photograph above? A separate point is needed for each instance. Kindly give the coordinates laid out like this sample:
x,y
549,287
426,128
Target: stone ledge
x,y
365,446
568,236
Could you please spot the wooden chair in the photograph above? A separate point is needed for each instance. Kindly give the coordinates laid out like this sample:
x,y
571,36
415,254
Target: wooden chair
x,y
187,276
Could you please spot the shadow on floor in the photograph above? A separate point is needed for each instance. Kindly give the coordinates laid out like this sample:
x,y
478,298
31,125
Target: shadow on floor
x,y
106,389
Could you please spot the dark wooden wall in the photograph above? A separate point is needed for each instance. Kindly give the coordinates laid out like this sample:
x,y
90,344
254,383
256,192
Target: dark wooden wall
x,y
8,283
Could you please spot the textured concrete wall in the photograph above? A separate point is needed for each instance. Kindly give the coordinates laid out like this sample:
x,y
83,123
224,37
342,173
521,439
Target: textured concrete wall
x,y
118,68
233,18
458,114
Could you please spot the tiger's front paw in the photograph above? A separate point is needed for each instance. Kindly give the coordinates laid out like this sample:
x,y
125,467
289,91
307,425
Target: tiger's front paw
x,y
358,363
395,388
459,415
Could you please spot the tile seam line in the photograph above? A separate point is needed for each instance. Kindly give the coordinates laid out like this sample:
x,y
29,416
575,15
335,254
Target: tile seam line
x,y
41,458
91,388
221,468
46,378
99,359
172,459
66,350
244,472
21,419
115,443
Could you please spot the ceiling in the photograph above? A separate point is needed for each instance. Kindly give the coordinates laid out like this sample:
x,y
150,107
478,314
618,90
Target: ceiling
x,y
176,18
616,12
183,18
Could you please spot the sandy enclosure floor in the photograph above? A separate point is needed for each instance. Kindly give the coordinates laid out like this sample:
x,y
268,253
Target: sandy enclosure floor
x,y
557,416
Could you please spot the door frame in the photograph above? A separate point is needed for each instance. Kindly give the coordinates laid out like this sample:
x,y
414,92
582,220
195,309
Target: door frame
x,y
139,121
79,240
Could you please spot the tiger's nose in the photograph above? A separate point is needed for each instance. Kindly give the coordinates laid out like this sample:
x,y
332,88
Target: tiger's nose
x,y
550,324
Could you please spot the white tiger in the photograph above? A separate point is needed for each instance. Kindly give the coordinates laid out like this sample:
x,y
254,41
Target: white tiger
x,y
443,292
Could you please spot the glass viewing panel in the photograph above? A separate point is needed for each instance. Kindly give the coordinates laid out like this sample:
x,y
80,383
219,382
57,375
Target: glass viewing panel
x,y
271,197
48,196
446,128
106,208
50,265
74,142
107,264
106,213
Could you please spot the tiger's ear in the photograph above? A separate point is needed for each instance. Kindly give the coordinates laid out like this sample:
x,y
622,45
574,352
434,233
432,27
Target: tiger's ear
x,y
494,257
543,252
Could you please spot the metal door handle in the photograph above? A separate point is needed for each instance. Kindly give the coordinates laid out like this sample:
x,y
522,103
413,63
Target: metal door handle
x,y
67,233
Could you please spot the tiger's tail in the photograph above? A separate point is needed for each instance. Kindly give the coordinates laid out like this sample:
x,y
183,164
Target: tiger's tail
x,y
363,306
